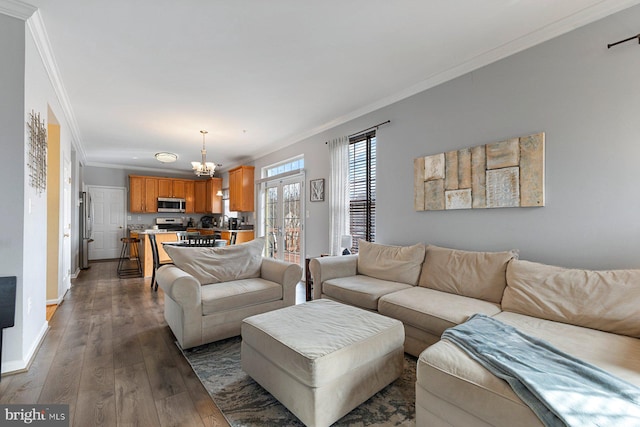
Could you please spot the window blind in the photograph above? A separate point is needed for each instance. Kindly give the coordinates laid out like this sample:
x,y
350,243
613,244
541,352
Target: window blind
x,y
362,188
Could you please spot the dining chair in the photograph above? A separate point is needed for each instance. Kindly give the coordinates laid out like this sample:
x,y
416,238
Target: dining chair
x,y
186,235
156,260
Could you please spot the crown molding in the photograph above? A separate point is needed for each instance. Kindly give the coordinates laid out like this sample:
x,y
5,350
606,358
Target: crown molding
x,y
41,38
180,172
556,29
17,9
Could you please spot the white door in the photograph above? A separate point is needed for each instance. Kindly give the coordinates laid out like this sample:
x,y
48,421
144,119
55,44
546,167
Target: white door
x,y
66,229
109,221
283,219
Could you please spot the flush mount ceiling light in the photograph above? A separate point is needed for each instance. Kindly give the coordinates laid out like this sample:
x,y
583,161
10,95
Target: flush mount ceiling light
x,y
203,167
166,157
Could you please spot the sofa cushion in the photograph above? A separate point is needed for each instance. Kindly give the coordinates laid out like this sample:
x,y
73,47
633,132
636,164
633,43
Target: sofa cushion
x,y
396,263
603,300
432,311
472,274
238,293
219,264
360,291
446,371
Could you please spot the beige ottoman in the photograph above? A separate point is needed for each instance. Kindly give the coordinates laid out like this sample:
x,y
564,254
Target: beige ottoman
x,y
322,359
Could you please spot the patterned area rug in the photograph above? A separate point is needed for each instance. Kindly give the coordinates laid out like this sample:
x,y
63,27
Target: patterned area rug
x,y
245,403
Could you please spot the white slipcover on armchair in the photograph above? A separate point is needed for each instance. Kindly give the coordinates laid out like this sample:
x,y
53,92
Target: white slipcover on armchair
x,y
209,291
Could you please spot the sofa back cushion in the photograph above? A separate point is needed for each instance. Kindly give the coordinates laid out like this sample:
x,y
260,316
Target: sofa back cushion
x,y
480,275
394,263
603,300
219,264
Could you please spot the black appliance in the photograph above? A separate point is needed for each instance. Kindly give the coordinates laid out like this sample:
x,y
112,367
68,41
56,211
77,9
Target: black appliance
x,y
207,221
233,223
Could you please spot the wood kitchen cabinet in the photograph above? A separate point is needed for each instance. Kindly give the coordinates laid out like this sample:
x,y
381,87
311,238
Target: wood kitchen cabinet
x,y
170,187
136,194
241,189
214,201
143,194
150,194
190,196
206,196
200,196
165,187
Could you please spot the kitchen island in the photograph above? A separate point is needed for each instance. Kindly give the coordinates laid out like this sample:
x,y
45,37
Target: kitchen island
x,y
146,255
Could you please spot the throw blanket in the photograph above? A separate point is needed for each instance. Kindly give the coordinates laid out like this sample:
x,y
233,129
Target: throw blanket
x,y
560,389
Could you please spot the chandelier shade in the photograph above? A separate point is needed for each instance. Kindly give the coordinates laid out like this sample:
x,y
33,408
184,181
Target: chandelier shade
x,y
203,167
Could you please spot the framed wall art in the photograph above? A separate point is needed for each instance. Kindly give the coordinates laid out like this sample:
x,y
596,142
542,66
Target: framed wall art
x,y
317,190
502,174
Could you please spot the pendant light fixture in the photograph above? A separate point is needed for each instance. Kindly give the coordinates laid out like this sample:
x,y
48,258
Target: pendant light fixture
x,y
203,167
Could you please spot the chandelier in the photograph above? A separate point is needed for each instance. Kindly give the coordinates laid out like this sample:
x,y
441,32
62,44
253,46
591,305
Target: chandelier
x,y
203,167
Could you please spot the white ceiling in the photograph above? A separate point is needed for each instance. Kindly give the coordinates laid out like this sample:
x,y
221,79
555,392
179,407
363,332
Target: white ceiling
x,y
143,76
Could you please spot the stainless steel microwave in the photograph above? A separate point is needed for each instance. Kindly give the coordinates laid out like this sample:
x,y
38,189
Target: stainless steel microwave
x,y
166,204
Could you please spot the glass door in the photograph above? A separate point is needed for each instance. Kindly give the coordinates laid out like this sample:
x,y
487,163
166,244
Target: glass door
x,y
283,204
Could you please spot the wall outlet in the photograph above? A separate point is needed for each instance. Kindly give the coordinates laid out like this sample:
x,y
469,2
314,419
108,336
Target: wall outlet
x,y
29,305
139,218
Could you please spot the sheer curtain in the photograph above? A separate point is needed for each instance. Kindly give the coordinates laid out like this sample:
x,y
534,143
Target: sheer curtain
x,y
339,192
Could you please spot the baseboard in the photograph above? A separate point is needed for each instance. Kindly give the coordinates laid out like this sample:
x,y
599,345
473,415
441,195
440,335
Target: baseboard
x,y
76,274
56,301
17,366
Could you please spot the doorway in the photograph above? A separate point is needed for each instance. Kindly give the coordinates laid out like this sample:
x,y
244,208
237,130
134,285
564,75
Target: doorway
x,y
283,218
109,221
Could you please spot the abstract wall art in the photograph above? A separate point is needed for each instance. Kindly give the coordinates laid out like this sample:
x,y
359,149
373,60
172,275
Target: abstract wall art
x,y
37,157
502,174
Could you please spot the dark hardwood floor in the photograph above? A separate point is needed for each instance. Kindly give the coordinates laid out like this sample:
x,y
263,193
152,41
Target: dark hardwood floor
x,y
111,357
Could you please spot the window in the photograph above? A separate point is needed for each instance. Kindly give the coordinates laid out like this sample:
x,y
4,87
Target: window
x,y
288,166
362,188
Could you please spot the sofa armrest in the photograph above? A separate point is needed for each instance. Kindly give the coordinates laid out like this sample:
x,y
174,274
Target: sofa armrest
x,y
331,267
287,274
180,286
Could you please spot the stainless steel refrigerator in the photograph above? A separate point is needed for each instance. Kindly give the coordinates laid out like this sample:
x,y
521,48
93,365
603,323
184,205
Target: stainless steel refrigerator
x,y
86,228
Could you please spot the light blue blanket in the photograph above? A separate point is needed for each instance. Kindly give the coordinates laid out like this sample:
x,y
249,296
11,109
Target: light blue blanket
x,y
560,389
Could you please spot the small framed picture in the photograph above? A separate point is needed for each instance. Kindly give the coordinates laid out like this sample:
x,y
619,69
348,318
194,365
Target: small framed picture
x,y
317,190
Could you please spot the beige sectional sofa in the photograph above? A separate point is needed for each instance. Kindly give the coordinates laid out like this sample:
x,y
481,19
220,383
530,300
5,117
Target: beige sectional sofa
x,y
209,291
592,315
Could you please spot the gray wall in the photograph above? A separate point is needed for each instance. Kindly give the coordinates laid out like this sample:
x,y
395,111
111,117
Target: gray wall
x,y
584,97
12,135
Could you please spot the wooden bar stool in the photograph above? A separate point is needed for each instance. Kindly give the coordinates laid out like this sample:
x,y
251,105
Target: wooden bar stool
x,y
124,270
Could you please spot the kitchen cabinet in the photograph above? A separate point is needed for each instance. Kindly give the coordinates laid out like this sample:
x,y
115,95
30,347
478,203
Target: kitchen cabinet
x,y
189,196
150,194
206,198
214,202
136,194
143,194
241,189
170,187
200,196
145,190
165,187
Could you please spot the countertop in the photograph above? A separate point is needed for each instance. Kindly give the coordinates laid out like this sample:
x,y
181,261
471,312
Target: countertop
x,y
221,230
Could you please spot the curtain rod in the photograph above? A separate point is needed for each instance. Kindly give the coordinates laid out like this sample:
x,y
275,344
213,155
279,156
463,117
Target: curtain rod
x,y
364,130
610,45
372,127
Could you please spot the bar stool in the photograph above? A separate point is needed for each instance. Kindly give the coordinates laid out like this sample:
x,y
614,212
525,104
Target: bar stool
x,y
129,244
